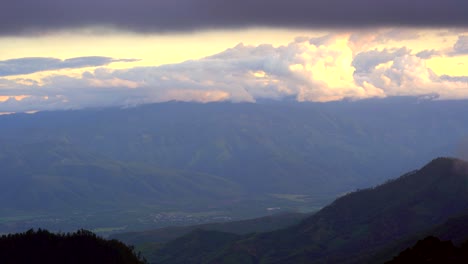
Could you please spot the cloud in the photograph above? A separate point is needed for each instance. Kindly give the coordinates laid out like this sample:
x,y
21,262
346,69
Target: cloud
x,y
32,65
408,74
367,61
331,67
461,46
463,79
427,54
37,17
401,75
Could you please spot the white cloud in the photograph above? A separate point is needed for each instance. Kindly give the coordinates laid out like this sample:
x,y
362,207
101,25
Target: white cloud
x,y
332,67
408,74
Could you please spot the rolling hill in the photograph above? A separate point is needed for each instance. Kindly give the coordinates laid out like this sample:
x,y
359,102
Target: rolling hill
x,y
57,177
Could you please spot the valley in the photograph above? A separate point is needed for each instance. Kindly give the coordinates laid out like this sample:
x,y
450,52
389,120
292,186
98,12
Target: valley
x,y
234,132
308,174
84,168
367,226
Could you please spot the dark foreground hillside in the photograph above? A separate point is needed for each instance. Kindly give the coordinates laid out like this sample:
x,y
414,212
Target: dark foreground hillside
x,y
242,227
433,250
82,246
355,227
455,229
202,239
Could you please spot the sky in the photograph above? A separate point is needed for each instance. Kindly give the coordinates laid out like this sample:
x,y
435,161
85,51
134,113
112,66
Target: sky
x,y
63,54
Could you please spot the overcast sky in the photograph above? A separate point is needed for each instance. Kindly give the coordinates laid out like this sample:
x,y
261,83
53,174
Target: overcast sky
x,y
26,16
61,54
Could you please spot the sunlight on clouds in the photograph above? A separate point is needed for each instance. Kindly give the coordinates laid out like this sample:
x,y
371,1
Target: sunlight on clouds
x,y
38,78
195,96
315,67
415,39
16,97
259,74
327,71
152,49
114,82
334,68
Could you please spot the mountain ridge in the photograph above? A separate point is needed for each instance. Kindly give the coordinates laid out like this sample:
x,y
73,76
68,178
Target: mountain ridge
x,y
288,155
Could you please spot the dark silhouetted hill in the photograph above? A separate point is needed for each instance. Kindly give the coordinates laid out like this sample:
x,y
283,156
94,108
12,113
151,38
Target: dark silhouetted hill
x,y
434,251
147,241
77,248
199,246
166,234
455,229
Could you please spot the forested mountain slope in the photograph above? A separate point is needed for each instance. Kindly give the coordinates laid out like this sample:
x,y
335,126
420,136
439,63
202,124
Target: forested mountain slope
x,y
358,225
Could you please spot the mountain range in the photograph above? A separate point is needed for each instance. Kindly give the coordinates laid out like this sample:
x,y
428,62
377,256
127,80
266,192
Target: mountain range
x,y
195,163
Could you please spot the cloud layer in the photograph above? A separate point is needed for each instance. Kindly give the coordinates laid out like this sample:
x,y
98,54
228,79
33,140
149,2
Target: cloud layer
x,y
32,16
331,67
31,65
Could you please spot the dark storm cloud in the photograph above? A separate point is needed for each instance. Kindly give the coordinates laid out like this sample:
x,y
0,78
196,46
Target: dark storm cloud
x,y
33,16
32,65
